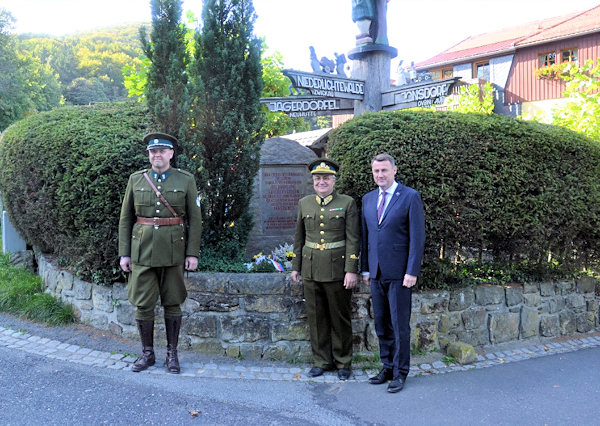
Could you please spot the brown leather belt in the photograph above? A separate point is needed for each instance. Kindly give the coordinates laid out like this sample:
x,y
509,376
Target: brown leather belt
x,y
160,221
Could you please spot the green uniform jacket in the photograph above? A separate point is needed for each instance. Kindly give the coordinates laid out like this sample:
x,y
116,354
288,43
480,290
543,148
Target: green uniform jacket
x,y
163,245
336,220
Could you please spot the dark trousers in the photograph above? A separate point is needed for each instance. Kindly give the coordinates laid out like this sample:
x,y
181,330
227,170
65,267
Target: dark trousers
x,y
329,312
391,308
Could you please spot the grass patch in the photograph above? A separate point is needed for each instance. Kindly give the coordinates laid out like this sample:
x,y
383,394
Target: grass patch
x,y
21,294
367,361
449,360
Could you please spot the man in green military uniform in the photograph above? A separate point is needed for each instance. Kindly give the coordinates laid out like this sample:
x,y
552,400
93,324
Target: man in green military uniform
x,y
326,248
159,235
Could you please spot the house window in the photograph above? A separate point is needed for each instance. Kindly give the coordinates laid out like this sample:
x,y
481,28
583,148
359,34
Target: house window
x,y
447,73
436,75
481,70
568,55
547,59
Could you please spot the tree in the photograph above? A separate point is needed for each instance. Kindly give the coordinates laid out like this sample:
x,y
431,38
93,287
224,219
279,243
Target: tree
x,y
228,118
582,110
473,98
167,89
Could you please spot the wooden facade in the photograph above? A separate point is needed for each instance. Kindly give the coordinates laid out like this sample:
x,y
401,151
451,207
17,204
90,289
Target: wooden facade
x,y
522,84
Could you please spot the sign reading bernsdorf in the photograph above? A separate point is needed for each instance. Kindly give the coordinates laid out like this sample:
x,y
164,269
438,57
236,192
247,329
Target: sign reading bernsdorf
x,y
418,95
307,106
326,85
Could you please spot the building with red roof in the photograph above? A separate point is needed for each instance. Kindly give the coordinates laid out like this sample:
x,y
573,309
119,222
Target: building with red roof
x,y
509,59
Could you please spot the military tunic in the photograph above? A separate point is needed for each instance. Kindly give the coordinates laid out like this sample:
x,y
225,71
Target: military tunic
x,y
164,247
326,246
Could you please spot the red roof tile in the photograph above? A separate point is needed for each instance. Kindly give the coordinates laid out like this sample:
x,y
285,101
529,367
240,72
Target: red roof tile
x,y
512,38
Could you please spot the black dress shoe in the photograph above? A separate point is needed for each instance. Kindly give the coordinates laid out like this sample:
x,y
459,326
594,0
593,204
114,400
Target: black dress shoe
x,y
396,384
318,371
344,373
383,376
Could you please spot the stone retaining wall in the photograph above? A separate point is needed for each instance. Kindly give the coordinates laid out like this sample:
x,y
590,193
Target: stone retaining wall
x,y
262,315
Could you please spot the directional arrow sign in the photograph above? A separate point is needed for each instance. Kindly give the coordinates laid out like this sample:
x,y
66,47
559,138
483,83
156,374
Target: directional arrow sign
x,y
326,85
422,94
309,106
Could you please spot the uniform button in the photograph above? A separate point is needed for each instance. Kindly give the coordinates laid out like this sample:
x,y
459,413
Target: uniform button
x,y
155,226
158,203
321,225
322,210
159,187
321,217
322,240
322,232
157,211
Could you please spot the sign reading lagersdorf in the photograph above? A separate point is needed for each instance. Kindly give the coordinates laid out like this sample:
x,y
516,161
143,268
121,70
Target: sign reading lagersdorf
x,y
326,84
422,94
307,106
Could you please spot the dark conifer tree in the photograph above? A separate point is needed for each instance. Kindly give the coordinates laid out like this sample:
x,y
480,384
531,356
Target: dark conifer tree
x,y
167,88
228,118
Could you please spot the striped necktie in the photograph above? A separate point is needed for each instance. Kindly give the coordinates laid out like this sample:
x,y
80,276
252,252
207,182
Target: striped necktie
x,y
381,206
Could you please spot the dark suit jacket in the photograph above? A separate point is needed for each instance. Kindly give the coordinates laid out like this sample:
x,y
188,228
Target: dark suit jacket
x,y
396,245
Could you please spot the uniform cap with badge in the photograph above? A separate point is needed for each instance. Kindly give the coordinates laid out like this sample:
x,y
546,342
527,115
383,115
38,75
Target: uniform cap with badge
x,y
159,140
323,166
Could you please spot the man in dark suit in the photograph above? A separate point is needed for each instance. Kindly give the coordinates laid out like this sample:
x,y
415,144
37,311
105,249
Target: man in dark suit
x,y
393,240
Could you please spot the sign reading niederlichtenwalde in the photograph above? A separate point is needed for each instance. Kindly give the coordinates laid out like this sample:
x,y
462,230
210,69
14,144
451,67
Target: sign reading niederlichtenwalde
x,y
326,84
423,94
309,106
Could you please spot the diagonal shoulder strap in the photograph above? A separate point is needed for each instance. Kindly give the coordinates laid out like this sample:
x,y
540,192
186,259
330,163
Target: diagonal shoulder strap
x,y
159,195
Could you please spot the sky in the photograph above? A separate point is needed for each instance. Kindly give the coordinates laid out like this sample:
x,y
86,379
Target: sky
x,y
419,29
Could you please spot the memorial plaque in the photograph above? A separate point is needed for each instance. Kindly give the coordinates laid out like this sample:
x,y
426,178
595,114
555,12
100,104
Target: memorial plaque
x,y
281,188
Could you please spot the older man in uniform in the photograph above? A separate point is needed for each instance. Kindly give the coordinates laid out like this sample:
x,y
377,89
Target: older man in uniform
x,y
326,251
159,236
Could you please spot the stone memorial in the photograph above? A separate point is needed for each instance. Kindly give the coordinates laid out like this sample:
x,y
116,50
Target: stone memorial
x,y
282,180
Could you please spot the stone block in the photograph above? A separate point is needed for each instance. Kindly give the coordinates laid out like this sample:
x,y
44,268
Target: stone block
x,y
549,326
233,351
115,328
125,313
64,281
478,337
592,305
207,282
532,299
530,322
297,330
564,287
434,303
215,303
257,284
449,322
529,288
102,298
568,322
251,351
464,353
243,329
504,327
514,294
82,289
585,321
267,304
474,318
575,301
119,291
556,304
208,346
489,294
204,326
370,338
586,285
461,299
297,310
426,335
547,289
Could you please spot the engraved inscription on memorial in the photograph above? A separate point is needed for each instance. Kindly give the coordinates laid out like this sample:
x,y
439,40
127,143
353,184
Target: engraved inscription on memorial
x,y
281,190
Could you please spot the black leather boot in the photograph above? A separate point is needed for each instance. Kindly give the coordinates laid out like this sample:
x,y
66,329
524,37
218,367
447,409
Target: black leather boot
x,y
146,329
172,326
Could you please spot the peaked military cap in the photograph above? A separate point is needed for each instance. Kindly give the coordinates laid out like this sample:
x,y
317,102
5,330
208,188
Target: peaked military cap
x,y
159,141
323,166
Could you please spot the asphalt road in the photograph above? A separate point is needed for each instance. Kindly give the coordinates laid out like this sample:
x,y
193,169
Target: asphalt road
x,y
561,389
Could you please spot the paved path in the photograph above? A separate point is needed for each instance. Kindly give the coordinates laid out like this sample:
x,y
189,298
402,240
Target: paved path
x,y
21,340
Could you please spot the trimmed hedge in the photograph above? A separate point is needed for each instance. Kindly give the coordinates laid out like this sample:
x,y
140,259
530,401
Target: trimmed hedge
x,y
494,188
62,176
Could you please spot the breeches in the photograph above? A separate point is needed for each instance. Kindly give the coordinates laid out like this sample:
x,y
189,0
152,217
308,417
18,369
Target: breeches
x,y
147,284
